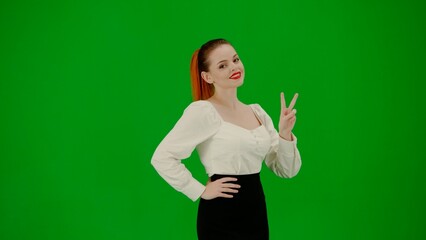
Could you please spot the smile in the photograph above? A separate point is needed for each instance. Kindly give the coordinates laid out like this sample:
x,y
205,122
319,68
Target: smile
x,y
236,76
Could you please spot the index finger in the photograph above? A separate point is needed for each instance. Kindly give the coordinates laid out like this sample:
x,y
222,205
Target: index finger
x,y
293,101
227,179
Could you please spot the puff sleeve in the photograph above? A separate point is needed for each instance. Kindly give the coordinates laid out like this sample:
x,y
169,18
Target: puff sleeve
x,y
197,123
283,157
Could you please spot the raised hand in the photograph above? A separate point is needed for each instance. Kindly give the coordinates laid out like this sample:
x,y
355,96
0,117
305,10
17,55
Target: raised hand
x,y
219,188
287,117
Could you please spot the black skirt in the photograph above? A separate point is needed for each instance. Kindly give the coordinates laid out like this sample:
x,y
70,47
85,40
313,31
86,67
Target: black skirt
x,y
242,217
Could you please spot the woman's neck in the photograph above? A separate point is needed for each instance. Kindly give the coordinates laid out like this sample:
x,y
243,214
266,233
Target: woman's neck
x,y
226,98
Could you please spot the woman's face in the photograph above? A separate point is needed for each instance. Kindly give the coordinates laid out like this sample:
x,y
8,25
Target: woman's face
x,y
226,69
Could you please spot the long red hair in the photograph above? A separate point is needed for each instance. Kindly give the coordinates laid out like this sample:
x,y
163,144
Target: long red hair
x,y
201,89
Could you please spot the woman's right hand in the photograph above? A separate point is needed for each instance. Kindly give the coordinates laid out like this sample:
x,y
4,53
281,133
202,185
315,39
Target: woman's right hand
x,y
219,188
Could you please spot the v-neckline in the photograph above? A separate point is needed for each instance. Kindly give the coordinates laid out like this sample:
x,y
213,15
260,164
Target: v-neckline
x,y
235,125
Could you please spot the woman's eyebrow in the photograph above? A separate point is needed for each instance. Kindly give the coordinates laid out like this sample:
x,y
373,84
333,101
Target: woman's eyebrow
x,y
226,60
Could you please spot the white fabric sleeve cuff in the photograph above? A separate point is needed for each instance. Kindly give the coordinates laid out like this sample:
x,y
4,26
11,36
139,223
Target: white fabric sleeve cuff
x,y
286,147
194,190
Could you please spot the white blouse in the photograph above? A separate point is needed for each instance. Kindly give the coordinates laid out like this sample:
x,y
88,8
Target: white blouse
x,y
223,147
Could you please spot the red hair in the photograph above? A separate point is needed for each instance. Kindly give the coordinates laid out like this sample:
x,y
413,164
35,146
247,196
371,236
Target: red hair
x,y
201,89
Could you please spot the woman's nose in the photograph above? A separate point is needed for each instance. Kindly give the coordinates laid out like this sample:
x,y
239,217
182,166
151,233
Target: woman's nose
x,y
234,66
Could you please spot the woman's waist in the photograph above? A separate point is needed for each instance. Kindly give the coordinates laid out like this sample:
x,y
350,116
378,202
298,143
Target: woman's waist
x,y
250,184
240,177
233,168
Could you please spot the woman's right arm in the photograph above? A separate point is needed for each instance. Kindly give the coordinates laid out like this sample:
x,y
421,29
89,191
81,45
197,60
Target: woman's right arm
x,y
197,124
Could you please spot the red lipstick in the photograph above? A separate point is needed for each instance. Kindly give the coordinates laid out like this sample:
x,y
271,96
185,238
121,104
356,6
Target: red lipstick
x,y
235,76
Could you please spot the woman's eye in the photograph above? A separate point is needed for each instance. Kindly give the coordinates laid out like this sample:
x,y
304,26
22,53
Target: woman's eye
x,y
236,60
221,66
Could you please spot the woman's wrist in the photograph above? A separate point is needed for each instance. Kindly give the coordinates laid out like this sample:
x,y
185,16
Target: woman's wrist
x,y
286,136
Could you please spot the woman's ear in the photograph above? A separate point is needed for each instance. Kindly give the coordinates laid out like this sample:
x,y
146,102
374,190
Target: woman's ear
x,y
206,77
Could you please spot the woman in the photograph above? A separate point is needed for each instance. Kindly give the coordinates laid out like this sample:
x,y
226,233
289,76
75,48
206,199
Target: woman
x,y
232,139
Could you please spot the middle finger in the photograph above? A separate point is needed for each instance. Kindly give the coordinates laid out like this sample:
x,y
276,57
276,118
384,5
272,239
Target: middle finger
x,y
230,185
283,104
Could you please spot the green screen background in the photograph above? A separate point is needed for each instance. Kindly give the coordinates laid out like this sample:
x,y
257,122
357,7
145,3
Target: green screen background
x,y
88,90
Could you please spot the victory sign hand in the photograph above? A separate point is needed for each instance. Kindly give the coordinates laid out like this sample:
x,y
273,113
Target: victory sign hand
x,y
287,117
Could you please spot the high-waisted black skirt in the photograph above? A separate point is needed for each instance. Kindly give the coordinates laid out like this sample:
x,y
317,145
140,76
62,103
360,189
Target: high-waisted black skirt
x,y
242,217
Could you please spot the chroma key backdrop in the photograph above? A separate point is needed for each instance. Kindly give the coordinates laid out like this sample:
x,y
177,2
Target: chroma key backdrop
x,y
88,89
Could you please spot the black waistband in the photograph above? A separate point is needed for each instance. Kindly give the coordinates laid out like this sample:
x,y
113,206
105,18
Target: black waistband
x,y
251,186
242,177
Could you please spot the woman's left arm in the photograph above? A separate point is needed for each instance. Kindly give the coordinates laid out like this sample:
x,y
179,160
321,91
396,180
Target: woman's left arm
x,y
283,157
287,117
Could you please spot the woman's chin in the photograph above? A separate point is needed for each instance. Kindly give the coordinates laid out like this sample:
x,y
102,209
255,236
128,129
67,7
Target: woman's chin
x,y
239,82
